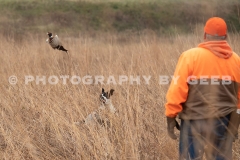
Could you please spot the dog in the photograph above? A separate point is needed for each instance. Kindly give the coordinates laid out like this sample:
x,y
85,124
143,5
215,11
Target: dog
x,y
100,116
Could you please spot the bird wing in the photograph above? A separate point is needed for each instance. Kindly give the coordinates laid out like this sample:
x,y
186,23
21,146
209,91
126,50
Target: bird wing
x,y
57,40
54,42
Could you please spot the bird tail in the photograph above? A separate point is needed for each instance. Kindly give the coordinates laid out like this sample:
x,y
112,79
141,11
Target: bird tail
x,y
62,48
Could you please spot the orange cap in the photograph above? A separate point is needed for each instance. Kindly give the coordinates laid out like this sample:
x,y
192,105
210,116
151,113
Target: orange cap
x,y
216,26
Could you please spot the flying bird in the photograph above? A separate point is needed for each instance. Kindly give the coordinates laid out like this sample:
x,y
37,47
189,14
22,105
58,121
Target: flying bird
x,y
55,42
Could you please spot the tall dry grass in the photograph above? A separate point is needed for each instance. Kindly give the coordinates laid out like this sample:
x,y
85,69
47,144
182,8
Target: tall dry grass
x,y
38,121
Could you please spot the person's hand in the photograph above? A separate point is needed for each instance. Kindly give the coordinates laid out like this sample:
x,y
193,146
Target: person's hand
x,y
235,137
234,125
171,123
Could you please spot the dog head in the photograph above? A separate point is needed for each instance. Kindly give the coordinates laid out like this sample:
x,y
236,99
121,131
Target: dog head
x,y
105,96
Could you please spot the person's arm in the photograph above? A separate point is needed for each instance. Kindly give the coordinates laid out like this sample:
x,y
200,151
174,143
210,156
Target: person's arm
x,y
235,118
177,93
178,89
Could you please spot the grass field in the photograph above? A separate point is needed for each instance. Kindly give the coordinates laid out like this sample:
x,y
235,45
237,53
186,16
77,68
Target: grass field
x,y
113,39
98,16
38,121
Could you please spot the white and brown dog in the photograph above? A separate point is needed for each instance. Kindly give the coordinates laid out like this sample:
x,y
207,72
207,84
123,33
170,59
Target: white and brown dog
x,y
100,116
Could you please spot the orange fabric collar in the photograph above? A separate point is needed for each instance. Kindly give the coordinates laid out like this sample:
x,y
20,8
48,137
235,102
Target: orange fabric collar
x,y
219,48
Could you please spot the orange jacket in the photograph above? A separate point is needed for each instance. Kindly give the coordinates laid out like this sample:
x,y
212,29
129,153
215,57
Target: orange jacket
x,y
208,85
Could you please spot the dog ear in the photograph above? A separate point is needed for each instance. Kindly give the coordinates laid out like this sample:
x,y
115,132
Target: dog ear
x,y
102,90
111,92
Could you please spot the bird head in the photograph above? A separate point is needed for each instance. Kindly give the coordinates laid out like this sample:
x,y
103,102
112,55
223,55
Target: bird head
x,y
49,34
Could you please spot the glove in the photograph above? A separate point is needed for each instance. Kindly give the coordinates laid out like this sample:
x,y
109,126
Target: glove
x,y
171,123
234,124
